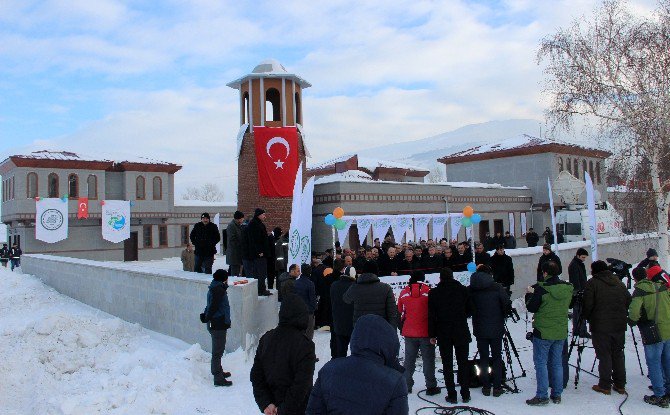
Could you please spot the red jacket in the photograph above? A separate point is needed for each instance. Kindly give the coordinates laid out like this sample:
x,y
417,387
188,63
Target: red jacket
x,y
656,274
413,310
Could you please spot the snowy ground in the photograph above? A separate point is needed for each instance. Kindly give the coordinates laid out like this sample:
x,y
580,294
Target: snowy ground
x,y
59,356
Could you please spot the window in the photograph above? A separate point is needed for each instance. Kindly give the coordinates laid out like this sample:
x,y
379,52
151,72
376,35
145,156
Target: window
x,y
147,236
52,185
73,185
245,102
575,168
591,170
598,172
184,235
272,105
162,235
158,188
92,184
560,164
298,119
568,164
585,167
139,188
11,188
31,185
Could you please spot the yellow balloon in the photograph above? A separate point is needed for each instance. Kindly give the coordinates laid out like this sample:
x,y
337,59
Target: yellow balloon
x,y
338,212
468,211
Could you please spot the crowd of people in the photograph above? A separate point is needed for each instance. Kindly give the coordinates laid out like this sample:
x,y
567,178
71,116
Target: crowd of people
x,y
11,256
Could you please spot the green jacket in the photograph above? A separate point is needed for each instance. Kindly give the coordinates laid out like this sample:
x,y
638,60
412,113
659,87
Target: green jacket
x,y
643,306
550,302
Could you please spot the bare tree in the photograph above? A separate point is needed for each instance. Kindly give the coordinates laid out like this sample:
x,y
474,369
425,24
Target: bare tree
x,y
208,192
436,175
614,68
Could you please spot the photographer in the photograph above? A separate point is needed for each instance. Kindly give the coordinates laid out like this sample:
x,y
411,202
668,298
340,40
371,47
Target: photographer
x,y
605,306
577,277
491,305
550,300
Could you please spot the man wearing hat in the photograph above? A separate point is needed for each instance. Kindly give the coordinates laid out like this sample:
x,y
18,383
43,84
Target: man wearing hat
x,y
256,250
548,256
652,256
205,235
234,244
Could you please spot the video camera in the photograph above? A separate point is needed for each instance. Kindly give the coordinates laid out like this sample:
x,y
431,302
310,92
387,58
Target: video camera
x,y
620,268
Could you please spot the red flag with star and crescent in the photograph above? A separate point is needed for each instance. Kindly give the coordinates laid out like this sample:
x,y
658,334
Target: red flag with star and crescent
x,y
277,159
82,212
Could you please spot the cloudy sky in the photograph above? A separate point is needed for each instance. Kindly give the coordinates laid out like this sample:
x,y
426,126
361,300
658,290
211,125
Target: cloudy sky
x,y
148,78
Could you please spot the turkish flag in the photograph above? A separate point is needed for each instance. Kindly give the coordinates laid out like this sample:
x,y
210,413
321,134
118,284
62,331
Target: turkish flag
x,y
277,159
82,212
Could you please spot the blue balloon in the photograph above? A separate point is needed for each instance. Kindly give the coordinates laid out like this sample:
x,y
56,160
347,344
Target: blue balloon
x,y
476,218
330,219
472,267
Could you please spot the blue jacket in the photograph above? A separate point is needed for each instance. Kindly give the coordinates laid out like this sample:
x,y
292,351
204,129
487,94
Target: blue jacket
x,y
304,288
370,381
217,311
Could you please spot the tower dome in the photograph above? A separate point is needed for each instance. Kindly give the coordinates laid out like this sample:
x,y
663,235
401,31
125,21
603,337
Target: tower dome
x,y
270,66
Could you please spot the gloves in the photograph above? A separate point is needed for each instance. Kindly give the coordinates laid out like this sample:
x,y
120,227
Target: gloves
x,y
203,318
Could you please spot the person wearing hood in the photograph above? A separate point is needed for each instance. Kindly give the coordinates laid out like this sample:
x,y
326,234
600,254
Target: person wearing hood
x,y
217,317
503,269
343,313
652,256
651,304
371,296
204,236
577,277
283,369
550,300
605,306
413,311
657,274
234,244
370,381
491,306
256,250
449,306
547,256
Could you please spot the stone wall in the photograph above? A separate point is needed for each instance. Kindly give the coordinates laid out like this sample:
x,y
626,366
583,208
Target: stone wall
x,y
168,303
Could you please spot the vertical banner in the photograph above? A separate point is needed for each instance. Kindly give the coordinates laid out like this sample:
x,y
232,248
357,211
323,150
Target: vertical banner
x,y
116,220
217,218
553,215
277,159
300,232
400,224
524,230
342,234
380,226
51,221
591,202
409,235
455,225
82,210
421,227
512,231
363,225
438,226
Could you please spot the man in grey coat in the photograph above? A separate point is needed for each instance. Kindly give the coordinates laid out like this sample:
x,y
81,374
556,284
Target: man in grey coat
x,y
234,244
371,296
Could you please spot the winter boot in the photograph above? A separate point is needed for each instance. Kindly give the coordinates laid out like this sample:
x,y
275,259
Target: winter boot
x,y
486,391
655,400
556,399
433,391
602,390
537,401
497,392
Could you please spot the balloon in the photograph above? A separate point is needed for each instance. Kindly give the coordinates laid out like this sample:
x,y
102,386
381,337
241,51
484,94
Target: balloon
x,y
476,218
338,212
468,211
340,224
472,267
330,219
467,222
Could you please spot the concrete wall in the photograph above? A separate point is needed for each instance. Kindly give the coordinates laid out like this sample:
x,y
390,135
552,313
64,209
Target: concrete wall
x,y
169,303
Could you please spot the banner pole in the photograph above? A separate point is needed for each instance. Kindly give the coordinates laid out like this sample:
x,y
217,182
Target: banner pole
x,y
334,252
446,203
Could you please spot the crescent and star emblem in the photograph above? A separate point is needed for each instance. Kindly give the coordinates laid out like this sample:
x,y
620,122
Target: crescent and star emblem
x,y
82,205
278,140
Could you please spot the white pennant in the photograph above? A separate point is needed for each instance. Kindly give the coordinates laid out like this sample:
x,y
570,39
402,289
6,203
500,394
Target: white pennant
x,y
438,226
421,226
400,224
342,234
455,225
51,221
116,220
380,226
363,225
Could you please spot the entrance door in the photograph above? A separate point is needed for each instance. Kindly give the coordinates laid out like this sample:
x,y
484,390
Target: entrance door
x,y
483,228
130,248
498,226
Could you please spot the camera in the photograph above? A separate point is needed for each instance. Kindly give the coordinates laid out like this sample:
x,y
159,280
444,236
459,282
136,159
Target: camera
x,y
620,268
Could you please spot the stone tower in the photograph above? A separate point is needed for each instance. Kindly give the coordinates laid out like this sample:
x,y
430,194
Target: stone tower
x,y
271,104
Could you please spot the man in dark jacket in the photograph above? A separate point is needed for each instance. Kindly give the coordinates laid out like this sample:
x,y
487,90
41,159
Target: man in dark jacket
x,y
577,277
532,238
234,244
343,313
431,262
449,306
498,239
409,263
304,288
370,296
548,256
370,381
15,256
605,306
503,269
461,259
491,306
488,242
548,236
652,255
510,241
204,236
481,257
217,317
388,264
256,250
283,369
4,255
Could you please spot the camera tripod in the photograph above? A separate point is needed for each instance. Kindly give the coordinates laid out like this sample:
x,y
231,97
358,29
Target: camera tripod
x,y
508,343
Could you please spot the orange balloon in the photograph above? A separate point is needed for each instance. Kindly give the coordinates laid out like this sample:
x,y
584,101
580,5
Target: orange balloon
x,y
338,212
468,211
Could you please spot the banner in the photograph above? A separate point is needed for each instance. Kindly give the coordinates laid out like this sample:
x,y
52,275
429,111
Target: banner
x,y
455,225
421,227
277,159
82,211
400,224
363,225
438,226
591,203
524,230
342,234
398,282
553,215
217,218
409,235
511,224
300,232
116,220
380,226
51,219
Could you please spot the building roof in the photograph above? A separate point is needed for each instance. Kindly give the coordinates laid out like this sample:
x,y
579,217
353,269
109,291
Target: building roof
x,y
269,68
367,165
521,145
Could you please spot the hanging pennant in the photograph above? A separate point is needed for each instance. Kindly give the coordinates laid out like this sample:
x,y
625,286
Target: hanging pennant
x,y
421,226
51,221
438,226
363,225
116,220
400,224
380,226
455,225
344,232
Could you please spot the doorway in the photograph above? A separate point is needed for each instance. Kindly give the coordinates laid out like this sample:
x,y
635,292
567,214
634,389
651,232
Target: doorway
x,y
483,229
130,248
498,226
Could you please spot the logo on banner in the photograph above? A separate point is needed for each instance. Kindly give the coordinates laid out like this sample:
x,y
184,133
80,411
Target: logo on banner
x,y
51,219
601,227
117,220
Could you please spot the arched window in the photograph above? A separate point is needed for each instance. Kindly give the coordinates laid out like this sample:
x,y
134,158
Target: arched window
x,y
272,105
585,167
52,185
73,185
158,188
31,185
591,170
92,183
560,164
298,110
598,172
139,188
245,110
575,167
568,163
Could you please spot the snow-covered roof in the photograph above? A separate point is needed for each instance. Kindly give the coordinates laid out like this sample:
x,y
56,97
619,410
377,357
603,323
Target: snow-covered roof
x,y
269,68
71,156
367,163
357,176
351,176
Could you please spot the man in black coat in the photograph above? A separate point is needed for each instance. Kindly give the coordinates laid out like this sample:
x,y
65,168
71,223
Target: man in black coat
x,y
548,236
257,250
532,238
498,239
234,244
491,306
481,257
488,242
388,264
409,263
343,313
204,236
510,241
370,296
283,369
461,259
431,262
503,269
449,306
548,256
577,277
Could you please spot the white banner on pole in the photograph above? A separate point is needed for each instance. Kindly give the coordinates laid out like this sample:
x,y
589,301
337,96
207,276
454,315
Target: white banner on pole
x,y
591,202
380,226
217,218
553,215
455,225
363,225
300,232
438,226
421,227
342,234
512,231
400,224
116,220
524,230
51,222
409,235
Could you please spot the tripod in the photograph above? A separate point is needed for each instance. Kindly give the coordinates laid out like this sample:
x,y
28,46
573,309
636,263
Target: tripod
x,y
580,342
508,343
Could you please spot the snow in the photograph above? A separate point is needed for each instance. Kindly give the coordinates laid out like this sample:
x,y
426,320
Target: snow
x,y
357,176
204,203
71,156
368,163
352,176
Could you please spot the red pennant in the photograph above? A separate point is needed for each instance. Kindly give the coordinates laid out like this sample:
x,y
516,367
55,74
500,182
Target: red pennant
x,y
277,158
82,212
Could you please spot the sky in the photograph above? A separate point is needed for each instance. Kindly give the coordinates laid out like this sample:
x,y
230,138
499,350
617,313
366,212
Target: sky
x,y
148,78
